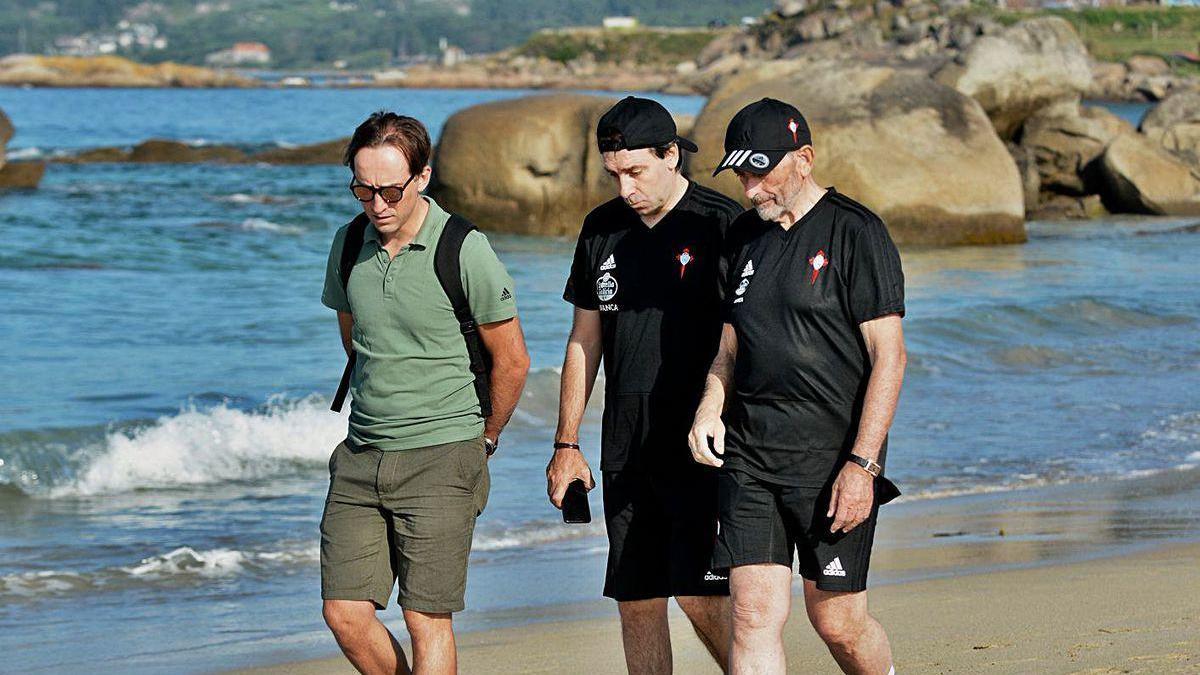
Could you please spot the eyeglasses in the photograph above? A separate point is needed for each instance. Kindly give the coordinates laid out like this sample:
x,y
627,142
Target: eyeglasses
x,y
390,193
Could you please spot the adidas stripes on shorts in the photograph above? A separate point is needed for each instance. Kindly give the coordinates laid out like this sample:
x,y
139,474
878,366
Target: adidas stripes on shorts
x,y
762,522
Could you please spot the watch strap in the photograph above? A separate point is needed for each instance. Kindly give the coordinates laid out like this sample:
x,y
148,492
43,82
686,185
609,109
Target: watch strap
x,y
871,466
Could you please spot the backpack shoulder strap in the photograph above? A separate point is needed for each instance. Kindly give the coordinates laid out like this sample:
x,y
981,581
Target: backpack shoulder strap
x,y
351,246
449,273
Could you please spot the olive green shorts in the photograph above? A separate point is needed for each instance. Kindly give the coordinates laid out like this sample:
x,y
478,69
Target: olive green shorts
x,y
403,516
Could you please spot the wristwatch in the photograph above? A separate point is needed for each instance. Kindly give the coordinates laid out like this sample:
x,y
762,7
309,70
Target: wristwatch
x,y
869,465
490,446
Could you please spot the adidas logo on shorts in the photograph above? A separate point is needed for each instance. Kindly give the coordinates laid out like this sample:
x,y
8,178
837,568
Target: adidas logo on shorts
x,y
712,576
835,569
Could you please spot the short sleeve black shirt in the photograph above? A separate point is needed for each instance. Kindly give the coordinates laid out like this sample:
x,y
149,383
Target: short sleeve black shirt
x,y
796,298
658,293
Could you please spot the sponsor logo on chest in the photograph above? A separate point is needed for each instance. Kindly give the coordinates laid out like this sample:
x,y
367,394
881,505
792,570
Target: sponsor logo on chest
x,y
740,291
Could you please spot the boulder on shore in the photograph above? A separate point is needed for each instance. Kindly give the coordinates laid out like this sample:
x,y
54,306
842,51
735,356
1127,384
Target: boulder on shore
x,y
1065,140
21,175
1141,177
918,153
157,151
1175,125
329,152
527,165
109,71
1029,66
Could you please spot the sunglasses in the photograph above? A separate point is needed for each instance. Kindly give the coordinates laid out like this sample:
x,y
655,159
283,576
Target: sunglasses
x,y
390,193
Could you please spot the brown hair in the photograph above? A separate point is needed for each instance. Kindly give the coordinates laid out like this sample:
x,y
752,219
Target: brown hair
x,y
404,133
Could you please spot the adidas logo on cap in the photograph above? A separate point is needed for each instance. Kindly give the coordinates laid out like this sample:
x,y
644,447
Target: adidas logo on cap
x,y
835,569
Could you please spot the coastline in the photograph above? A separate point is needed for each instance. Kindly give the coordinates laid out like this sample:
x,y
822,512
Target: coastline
x,y
1079,577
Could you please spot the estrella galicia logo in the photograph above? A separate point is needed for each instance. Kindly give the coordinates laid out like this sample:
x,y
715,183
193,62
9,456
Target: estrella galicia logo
x,y
759,160
606,287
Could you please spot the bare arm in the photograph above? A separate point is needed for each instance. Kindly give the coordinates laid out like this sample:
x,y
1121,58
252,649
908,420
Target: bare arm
x,y
346,327
505,342
717,384
854,489
581,363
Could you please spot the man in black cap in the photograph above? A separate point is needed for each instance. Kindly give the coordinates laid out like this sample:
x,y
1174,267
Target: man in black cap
x,y
645,286
810,364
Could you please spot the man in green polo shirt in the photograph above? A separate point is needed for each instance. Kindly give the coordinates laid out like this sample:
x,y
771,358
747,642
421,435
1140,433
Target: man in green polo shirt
x,y
411,477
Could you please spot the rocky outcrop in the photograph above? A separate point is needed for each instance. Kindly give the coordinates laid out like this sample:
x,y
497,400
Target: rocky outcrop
x,y
21,175
1174,124
1141,177
16,175
1065,140
156,151
920,154
1029,66
109,71
6,134
528,165
329,152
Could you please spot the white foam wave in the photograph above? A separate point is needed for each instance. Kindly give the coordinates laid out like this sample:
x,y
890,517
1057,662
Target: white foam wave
x,y
186,560
209,446
264,225
536,534
244,198
17,154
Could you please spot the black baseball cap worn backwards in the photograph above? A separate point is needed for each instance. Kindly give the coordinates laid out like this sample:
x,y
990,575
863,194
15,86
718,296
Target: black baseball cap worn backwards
x,y
638,123
761,134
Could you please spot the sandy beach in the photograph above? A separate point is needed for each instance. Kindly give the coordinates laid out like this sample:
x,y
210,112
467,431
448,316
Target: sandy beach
x,y
1047,580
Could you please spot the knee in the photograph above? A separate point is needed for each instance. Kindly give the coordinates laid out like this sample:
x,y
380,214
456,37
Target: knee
x,y
347,620
756,613
838,630
424,626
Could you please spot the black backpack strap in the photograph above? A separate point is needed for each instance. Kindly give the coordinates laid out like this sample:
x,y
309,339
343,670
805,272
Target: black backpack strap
x,y
449,274
351,246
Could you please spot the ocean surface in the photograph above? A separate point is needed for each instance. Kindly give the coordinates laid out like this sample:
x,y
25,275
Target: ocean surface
x,y
164,422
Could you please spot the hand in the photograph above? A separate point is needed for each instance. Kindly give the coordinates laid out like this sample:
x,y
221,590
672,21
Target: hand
x,y
852,498
707,426
566,466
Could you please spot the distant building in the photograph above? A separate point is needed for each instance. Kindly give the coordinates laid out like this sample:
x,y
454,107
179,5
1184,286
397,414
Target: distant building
x,y
241,54
619,22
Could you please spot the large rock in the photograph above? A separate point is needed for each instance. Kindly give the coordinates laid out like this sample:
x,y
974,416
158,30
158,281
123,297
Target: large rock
x,y
920,154
329,152
6,133
109,71
21,175
1141,177
1175,125
156,151
527,165
1065,140
1030,65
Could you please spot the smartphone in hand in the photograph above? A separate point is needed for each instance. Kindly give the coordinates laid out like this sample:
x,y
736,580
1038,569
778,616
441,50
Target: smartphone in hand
x,y
575,507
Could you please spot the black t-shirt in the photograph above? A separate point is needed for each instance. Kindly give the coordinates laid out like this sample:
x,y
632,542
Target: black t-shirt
x,y
658,293
796,298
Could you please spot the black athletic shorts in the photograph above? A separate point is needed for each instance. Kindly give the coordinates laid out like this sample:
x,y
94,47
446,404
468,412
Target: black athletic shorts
x,y
764,523
662,525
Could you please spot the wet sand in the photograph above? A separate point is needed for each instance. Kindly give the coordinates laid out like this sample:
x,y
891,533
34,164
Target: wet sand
x,y
1085,578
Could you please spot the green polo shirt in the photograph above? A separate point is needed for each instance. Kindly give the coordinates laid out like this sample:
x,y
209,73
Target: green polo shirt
x,y
412,385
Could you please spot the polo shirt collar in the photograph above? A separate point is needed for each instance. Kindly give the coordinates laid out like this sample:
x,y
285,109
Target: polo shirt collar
x,y
427,236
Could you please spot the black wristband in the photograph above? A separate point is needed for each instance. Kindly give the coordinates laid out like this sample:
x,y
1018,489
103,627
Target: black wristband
x,y
559,445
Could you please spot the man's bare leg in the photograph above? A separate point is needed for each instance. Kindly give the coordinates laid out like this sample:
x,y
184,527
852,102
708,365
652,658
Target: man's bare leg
x,y
760,598
710,619
646,636
855,639
365,641
434,651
